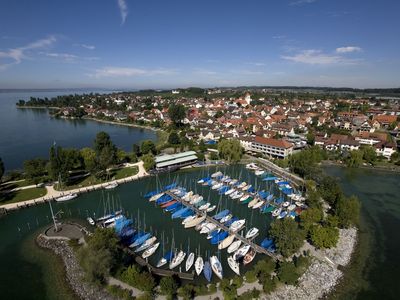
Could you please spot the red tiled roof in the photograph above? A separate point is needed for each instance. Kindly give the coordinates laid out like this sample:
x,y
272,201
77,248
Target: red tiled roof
x,y
273,142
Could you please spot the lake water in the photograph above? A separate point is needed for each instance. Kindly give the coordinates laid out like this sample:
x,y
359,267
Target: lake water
x,y
29,133
19,226
378,263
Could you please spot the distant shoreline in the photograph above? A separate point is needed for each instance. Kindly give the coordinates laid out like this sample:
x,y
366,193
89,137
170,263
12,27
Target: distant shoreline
x,y
391,168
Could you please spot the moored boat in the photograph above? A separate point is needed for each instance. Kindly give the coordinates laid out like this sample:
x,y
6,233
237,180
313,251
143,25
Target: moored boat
x,y
241,252
150,251
216,266
66,198
199,265
165,259
226,242
234,246
251,233
177,260
194,222
189,261
237,225
111,186
248,258
234,265
207,271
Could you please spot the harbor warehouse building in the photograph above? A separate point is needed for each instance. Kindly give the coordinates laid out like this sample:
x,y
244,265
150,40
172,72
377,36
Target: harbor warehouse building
x,y
175,161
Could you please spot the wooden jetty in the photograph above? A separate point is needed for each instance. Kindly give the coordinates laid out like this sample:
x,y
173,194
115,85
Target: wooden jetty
x,y
256,247
158,271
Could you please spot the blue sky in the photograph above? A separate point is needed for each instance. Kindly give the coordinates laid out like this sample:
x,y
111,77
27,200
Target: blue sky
x,y
180,43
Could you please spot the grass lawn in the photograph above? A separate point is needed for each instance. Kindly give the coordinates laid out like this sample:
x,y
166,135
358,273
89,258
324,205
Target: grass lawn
x,y
92,180
22,195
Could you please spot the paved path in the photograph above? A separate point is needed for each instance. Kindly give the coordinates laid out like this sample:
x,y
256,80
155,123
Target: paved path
x,y
135,291
52,193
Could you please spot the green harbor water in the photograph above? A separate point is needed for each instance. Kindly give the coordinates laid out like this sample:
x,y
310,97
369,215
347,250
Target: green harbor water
x,y
373,274
18,227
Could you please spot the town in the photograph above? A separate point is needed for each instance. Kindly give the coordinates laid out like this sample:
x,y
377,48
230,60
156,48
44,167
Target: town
x,y
269,122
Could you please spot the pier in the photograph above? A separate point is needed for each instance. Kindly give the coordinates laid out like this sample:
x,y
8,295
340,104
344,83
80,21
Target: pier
x,y
158,271
256,247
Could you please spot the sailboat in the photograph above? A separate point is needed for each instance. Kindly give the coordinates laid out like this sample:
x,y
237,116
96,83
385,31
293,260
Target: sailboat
x,y
226,242
177,260
216,266
252,232
189,261
234,265
207,271
146,244
150,251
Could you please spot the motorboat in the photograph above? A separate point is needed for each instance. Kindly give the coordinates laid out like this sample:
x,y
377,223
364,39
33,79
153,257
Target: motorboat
x,y
226,218
205,206
155,197
233,181
248,258
177,260
244,197
111,186
234,246
187,219
276,212
237,225
210,209
241,252
189,261
213,233
259,172
228,192
253,202
242,185
216,266
286,204
199,265
208,228
66,198
226,242
251,233
194,222
216,174
291,207
150,251
234,265
221,214
238,195
217,186
91,221
282,214
258,205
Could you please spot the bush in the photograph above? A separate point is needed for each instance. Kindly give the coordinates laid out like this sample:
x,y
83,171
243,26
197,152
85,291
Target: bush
x,y
324,237
250,276
287,273
119,293
270,284
142,280
251,294
168,285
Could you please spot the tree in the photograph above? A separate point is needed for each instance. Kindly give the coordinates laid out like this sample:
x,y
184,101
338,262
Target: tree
x,y
176,113
102,141
310,217
136,149
106,152
202,146
287,272
148,161
34,169
219,114
122,156
330,190
168,286
173,138
354,159
54,165
1,168
369,154
310,138
230,150
148,147
287,235
348,211
324,237
89,159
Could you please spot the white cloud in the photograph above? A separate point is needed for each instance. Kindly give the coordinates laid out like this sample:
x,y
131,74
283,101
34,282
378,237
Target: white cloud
x,y
90,47
317,57
301,2
204,72
257,64
123,8
16,55
65,56
348,49
128,72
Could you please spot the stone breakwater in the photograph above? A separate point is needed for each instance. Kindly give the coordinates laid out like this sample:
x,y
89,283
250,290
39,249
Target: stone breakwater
x,y
74,273
321,277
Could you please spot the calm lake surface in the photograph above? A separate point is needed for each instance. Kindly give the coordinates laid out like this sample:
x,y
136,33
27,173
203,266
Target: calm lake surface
x,y
29,133
19,226
379,192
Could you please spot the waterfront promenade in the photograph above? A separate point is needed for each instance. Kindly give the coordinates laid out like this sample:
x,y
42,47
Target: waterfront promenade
x,y
52,194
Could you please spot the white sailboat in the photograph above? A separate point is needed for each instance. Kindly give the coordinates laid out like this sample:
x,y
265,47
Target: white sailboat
x,y
177,260
234,265
216,266
151,250
189,261
226,242
66,198
252,232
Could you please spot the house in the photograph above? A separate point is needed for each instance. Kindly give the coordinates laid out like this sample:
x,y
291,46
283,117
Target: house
x,y
385,120
271,147
385,149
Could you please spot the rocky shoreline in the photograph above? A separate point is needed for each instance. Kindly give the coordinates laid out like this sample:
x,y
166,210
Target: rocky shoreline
x,y
74,273
322,276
